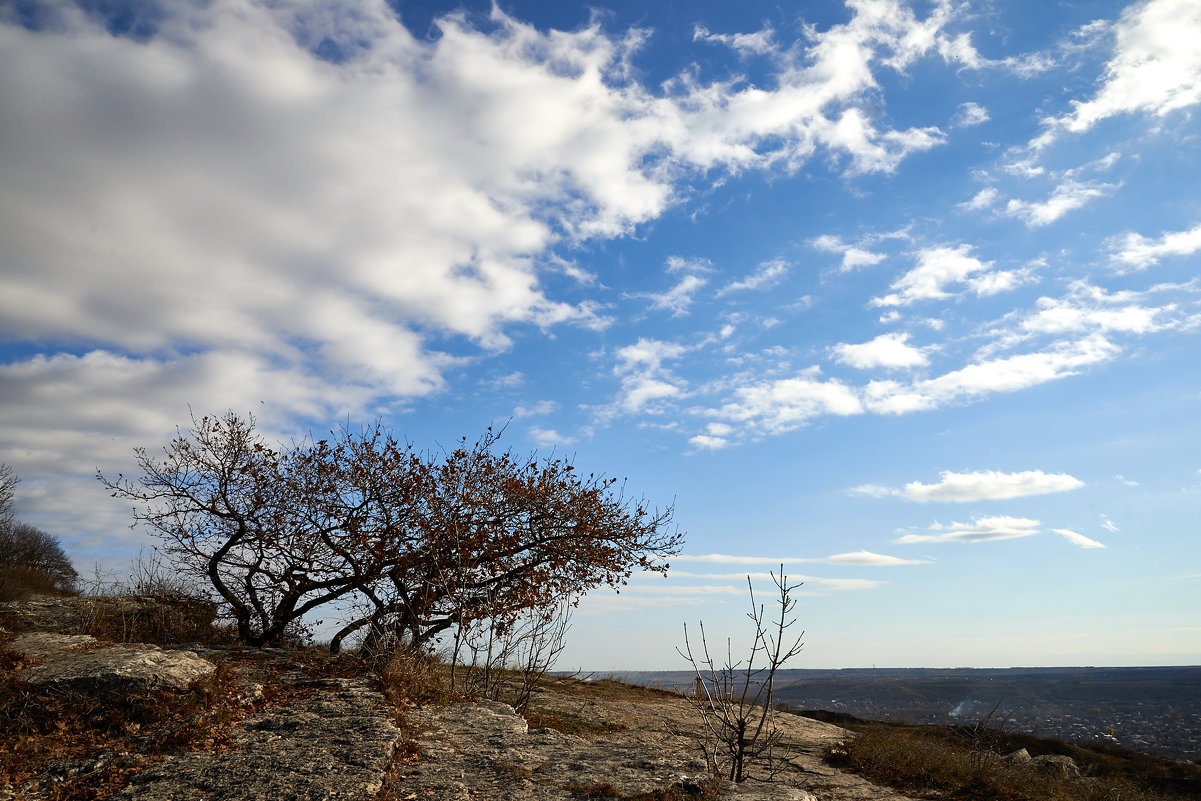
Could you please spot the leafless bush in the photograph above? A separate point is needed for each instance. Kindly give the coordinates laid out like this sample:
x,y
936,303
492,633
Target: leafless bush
x,y
151,603
735,700
505,661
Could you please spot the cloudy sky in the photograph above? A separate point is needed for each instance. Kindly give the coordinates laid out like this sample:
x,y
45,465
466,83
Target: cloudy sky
x,y
903,296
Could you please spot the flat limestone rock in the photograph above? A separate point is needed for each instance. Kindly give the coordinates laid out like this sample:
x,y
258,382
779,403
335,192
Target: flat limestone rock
x,y
82,664
485,750
336,744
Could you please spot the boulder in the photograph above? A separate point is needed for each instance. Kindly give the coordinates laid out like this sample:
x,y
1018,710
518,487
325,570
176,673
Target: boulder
x,y
82,664
1056,764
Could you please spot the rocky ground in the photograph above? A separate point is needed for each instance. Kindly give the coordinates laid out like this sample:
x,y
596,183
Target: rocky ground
x,y
327,736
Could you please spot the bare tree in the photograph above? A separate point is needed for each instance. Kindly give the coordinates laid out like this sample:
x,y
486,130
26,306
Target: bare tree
x,y
8,483
735,699
31,561
412,543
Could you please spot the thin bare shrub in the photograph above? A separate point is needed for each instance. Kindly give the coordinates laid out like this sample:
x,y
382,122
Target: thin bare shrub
x,y
151,604
735,699
505,661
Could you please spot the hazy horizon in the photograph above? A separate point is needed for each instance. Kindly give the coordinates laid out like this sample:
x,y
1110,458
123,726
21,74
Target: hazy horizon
x,y
901,295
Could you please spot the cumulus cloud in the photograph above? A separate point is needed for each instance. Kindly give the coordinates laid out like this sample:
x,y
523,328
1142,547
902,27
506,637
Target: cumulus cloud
x,y
854,256
789,403
982,485
1155,68
937,268
775,406
221,186
757,43
766,276
1089,310
990,376
984,199
969,114
887,350
680,264
1077,539
1139,252
709,442
537,409
677,299
548,437
984,529
645,382
1065,198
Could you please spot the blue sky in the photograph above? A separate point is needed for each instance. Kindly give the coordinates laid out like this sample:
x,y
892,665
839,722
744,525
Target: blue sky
x,y
904,296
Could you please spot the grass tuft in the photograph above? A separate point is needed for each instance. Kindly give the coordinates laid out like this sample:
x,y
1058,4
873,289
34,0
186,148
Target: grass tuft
x,y
944,762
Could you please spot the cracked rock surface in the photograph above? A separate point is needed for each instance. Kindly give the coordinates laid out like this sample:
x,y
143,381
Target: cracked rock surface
x,y
486,751
336,744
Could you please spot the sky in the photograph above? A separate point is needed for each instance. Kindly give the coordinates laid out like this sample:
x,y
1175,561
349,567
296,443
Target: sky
x,y
902,297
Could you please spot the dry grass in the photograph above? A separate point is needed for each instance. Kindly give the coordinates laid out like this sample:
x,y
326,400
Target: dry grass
x,y
93,747
18,582
938,762
608,688
79,748
158,620
569,723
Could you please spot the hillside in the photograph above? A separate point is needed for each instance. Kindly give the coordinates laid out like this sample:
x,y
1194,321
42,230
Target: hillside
x,y
87,717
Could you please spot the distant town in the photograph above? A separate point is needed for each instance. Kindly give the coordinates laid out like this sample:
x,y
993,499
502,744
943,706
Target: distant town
x,y
1155,710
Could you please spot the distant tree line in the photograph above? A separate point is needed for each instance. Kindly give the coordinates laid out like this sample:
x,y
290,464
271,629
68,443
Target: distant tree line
x,y
31,561
402,545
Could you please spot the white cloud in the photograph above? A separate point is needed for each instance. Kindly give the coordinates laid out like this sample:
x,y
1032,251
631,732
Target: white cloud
x,y
217,188
820,98
984,199
984,529
1067,197
1087,308
1127,481
1110,526
886,350
757,43
989,485
853,256
779,405
987,377
548,437
65,416
1139,252
679,264
969,114
873,490
708,442
1156,67
538,409
766,276
727,559
679,297
644,380
869,559
786,404
998,281
937,268
1077,539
